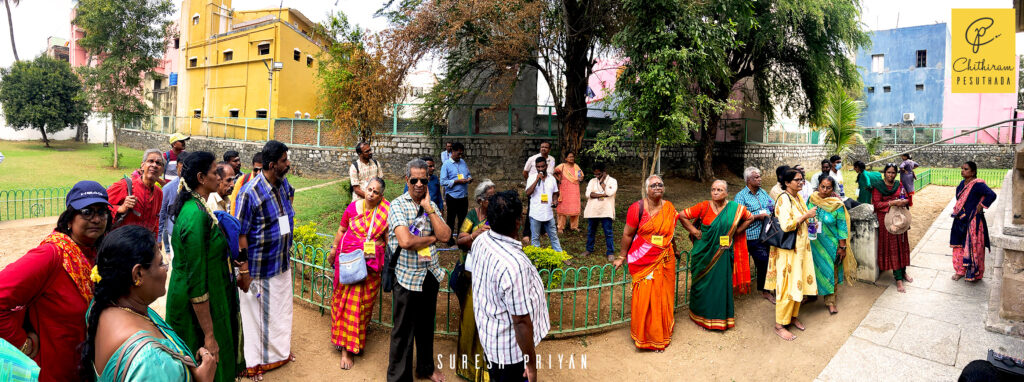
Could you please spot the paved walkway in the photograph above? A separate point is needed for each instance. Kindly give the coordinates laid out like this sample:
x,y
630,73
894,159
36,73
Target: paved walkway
x,y
931,332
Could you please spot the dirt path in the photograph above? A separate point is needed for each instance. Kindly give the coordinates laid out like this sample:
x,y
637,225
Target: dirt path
x,y
748,352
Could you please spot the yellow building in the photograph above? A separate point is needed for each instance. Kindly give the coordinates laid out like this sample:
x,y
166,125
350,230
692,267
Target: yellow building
x,y
227,56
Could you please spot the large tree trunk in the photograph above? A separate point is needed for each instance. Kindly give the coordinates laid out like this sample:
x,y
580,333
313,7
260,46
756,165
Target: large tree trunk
x,y
573,115
705,154
10,25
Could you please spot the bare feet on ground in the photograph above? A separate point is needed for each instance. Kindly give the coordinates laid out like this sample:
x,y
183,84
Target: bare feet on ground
x,y
798,324
785,334
437,376
899,286
346,360
957,277
768,296
906,276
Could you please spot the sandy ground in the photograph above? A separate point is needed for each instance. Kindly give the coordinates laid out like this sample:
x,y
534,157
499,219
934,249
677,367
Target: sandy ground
x,y
750,351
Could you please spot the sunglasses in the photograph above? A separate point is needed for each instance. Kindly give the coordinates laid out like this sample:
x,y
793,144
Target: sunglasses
x,y
89,213
656,185
423,181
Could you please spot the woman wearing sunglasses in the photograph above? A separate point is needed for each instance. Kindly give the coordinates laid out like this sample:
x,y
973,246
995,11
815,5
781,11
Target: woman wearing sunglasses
x,y
45,293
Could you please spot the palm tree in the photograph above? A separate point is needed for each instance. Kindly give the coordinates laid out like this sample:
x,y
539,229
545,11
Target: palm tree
x,y
840,122
10,25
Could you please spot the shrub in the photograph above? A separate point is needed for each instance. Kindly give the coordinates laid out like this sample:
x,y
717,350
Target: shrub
x,y
109,158
547,258
306,234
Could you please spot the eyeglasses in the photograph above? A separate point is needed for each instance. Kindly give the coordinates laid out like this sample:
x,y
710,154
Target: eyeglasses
x,y
89,213
798,179
423,181
656,185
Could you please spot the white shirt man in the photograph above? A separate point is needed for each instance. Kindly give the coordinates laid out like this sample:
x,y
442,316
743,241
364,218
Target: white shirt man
x,y
543,191
600,210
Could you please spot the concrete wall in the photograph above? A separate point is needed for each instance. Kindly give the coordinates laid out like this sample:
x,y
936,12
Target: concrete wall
x,y
899,47
949,156
99,131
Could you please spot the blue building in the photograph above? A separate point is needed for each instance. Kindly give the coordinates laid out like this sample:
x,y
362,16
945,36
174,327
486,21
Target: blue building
x,y
903,74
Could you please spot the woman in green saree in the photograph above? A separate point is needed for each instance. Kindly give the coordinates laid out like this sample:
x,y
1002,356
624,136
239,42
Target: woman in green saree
x,y
723,227
125,339
201,287
828,249
468,345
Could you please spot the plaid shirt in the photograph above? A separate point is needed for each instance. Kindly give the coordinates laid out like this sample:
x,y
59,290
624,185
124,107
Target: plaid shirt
x,y
410,271
754,204
259,207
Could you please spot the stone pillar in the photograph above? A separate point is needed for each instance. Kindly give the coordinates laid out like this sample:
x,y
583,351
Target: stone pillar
x,y
864,241
1011,239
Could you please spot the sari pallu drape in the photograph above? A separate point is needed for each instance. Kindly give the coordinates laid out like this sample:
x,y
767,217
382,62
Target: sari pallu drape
x,y
711,297
969,234
652,269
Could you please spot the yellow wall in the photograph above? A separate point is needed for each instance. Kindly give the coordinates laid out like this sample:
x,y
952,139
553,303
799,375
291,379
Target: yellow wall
x,y
216,86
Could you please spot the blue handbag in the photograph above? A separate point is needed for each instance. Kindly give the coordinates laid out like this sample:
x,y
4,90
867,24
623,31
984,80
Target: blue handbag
x,y
350,268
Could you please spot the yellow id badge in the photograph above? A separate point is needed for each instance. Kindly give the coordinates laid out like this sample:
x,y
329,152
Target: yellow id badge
x,y
543,198
723,241
370,248
658,240
460,176
424,253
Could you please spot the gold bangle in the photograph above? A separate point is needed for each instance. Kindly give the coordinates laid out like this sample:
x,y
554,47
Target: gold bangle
x,y
27,346
243,272
619,257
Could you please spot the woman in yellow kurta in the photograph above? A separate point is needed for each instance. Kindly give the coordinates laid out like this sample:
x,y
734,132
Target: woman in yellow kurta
x,y
791,271
652,266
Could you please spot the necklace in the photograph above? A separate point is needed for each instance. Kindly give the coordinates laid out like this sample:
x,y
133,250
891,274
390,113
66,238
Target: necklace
x,y
132,311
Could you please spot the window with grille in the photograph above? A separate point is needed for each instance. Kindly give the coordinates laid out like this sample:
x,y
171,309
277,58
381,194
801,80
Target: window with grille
x,y
296,54
877,63
263,49
922,58
261,113
886,89
229,55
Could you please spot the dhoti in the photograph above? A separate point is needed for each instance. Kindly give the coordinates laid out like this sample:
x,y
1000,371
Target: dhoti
x,y
267,322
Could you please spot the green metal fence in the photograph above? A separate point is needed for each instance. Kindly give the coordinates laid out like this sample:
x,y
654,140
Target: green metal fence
x,y
951,177
1006,134
32,203
580,300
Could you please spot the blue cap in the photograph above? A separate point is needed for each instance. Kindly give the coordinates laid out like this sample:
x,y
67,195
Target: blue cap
x,y
86,193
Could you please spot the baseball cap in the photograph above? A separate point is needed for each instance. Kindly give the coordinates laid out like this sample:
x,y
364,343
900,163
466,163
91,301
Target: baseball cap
x,y
86,193
178,137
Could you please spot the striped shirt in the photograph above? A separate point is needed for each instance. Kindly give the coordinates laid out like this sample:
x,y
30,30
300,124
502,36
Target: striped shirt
x,y
260,209
755,204
505,284
410,271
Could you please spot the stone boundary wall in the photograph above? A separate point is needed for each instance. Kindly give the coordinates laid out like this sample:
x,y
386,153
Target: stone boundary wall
x,y
499,158
948,156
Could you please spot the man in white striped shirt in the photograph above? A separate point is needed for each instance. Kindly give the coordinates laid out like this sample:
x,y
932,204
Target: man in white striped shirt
x,y
508,295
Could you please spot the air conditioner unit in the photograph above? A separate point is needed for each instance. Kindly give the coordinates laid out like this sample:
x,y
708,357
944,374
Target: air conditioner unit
x,y
908,117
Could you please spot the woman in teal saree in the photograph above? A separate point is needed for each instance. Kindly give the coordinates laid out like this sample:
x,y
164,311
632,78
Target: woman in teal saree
x,y
125,339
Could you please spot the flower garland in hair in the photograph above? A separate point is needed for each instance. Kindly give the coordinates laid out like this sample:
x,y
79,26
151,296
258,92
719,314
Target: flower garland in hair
x,y
95,274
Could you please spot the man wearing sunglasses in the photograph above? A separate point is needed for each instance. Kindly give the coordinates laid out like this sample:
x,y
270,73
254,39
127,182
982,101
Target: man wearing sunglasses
x,y
415,227
433,186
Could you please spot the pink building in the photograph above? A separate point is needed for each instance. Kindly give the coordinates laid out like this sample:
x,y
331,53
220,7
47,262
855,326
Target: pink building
x,y
963,111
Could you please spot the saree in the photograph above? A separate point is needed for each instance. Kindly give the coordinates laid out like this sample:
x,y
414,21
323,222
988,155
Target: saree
x,y
569,189
834,225
864,183
352,305
201,271
144,357
471,363
893,250
969,234
652,267
791,271
712,264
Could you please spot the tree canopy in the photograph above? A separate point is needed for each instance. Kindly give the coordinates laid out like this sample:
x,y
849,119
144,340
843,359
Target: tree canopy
x,y
125,39
43,94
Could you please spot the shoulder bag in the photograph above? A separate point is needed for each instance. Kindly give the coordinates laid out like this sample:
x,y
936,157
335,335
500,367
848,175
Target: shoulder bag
x,y
773,234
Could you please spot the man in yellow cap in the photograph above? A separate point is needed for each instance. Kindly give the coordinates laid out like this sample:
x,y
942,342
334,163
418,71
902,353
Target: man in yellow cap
x,y
177,141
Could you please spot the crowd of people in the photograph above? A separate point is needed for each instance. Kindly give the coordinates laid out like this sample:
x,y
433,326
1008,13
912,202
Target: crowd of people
x,y
224,237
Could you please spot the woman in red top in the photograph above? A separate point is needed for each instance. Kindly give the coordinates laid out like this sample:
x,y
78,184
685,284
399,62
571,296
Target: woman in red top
x,y
44,294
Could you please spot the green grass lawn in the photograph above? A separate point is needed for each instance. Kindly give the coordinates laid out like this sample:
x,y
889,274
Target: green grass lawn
x,y
30,165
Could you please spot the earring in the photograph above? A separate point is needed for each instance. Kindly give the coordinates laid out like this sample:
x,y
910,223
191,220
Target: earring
x,y
138,282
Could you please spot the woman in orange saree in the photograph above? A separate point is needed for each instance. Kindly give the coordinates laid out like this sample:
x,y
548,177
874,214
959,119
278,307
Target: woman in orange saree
x,y
650,227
